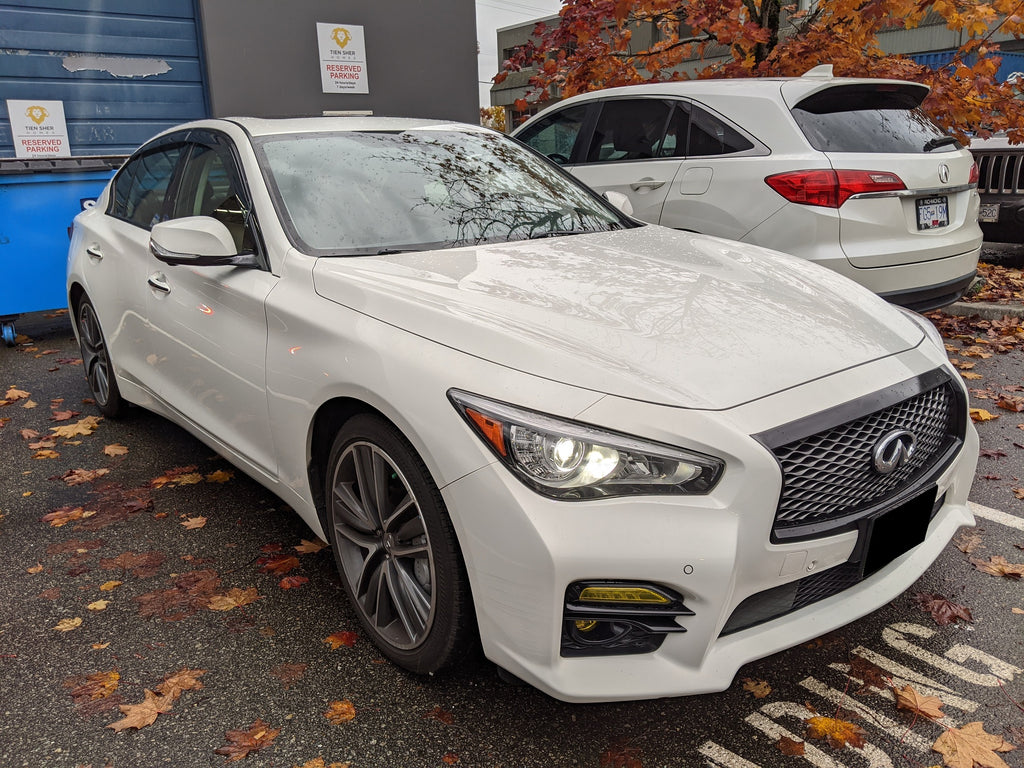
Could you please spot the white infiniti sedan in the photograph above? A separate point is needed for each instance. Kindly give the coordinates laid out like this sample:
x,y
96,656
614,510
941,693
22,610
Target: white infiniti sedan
x,y
624,459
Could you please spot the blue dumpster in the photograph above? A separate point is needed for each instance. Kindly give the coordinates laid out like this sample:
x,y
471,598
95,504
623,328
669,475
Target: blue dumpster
x,y
38,200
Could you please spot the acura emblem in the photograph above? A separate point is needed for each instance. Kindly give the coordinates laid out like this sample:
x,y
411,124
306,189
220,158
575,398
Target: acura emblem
x,y
943,173
893,451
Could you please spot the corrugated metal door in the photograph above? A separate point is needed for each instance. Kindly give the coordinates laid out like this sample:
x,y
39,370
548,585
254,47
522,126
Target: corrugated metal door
x,y
124,69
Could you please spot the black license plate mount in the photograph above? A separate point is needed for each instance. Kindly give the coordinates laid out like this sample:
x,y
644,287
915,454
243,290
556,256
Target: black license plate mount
x,y
896,531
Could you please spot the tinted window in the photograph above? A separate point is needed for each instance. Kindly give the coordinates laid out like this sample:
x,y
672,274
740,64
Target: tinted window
x,y
674,143
869,118
710,135
362,192
211,186
629,129
555,136
142,203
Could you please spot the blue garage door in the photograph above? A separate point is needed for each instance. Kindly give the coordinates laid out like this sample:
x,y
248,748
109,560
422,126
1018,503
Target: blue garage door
x,y
125,69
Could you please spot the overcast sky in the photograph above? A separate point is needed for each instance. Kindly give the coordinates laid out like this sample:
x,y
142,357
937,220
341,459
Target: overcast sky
x,y
491,15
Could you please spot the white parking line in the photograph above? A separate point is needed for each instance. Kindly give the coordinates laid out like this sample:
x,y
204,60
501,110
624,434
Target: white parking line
x,y
996,516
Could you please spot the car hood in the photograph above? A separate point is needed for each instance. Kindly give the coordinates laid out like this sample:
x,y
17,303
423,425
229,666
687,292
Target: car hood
x,y
648,313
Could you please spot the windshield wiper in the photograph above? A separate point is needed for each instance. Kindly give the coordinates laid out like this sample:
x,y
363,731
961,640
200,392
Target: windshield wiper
x,y
939,142
389,251
559,233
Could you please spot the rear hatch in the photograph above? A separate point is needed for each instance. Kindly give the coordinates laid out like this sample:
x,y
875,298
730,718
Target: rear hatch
x,y
913,201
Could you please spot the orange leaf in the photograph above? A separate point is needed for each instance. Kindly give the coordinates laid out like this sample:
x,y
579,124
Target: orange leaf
x,y
66,625
220,476
240,743
790,747
46,454
309,547
980,414
278,564
997,565
235,598
115,449
183,680
192,523
964,747
759,688
838,733
925,706
339,639
84,426
14,395
141,715
292,582
340,712
441,715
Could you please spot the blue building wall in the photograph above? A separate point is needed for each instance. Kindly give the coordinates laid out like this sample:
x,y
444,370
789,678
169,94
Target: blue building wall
x,y
124,69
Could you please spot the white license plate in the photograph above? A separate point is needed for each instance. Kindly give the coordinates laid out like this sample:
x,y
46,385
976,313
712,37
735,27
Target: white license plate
x,y
989,212
932,212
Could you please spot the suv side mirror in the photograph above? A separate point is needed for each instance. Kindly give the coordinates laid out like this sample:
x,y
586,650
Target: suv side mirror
x,y
199,241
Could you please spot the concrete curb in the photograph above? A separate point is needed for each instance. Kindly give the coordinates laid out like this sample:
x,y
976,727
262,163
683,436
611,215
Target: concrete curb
x,y
986,309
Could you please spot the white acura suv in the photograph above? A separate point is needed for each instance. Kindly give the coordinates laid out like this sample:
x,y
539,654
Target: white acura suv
x,y
624,459
848,173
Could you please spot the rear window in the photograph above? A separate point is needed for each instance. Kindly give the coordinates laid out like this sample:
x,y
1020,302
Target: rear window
x,y
870,118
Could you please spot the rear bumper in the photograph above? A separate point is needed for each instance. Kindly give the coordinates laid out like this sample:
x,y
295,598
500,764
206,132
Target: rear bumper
x,y
932,296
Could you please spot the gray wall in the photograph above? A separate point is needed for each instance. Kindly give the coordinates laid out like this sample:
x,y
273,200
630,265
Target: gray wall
x,y
262,57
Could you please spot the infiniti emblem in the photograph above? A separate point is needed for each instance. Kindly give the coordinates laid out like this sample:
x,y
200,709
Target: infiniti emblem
x,y
893,451
943,173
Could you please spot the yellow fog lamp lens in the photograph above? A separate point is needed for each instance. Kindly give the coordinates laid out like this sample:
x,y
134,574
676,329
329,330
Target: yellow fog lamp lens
x,y
585,625
641,595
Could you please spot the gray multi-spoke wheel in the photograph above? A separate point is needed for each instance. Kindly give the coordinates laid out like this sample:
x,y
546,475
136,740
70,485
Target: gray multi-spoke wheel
x,y
395,546
96,361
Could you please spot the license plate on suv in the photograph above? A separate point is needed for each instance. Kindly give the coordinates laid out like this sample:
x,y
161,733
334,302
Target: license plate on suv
x,y
932,212
988,212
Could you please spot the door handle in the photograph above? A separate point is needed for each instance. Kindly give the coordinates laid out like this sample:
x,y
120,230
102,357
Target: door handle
x,y
648,182
158,282
95,252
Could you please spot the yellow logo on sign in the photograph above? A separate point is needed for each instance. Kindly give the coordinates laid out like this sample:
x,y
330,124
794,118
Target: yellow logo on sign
x,y
341,36
37,114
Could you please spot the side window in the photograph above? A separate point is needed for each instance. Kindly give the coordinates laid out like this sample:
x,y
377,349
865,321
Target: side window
x,y
555,136
709,135
150,174
211,186
629,129
674,143
119,192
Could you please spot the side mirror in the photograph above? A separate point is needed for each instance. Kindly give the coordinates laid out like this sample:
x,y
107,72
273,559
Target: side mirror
x,y
200,241
620,201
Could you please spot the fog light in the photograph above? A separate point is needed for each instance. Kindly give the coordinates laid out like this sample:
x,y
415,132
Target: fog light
x,y
585,626
641,595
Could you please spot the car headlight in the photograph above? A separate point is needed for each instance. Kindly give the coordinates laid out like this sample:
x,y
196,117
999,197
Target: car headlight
x,y
568,460
925,325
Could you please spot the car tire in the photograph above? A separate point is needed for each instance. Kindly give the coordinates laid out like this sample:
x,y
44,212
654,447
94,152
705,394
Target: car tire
x,y
395,547
96,361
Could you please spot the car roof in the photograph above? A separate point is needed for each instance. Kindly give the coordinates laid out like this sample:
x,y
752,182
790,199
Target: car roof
x,y
259,126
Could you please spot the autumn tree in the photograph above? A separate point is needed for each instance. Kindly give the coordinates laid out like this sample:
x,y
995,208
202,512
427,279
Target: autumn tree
x,y
593,46
493,117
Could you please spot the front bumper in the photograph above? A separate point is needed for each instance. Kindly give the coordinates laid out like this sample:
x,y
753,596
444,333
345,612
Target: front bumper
x,y
522,551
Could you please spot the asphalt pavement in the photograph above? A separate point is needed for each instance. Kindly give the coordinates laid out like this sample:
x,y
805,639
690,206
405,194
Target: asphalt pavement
x,y
115,541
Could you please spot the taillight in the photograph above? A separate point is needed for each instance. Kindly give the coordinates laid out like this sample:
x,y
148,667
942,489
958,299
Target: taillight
x,y
830,189
975,174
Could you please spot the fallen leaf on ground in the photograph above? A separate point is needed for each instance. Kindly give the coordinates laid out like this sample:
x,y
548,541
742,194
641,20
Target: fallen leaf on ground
x,y
970,375
925,706
45,454
142,564
173,477
13,395
115,449
29,404
837,732
66,625
64,415
278,564
28,434
869,673
98,605
449,758
621,754
108,586
189,593
964,747
943,611
240,743
1018,492
309,547
220,476
192,523
980,414
38,567
82,476
340,712
758,688
790,747
292,582
441,715
98,685
84,426
992,453
65,515
288,673
234,598
39,444
967,542
141,715
997,565
339,639
1015,404
182,680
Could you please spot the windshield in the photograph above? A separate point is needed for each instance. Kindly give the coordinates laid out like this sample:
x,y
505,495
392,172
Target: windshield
x,y
361,192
